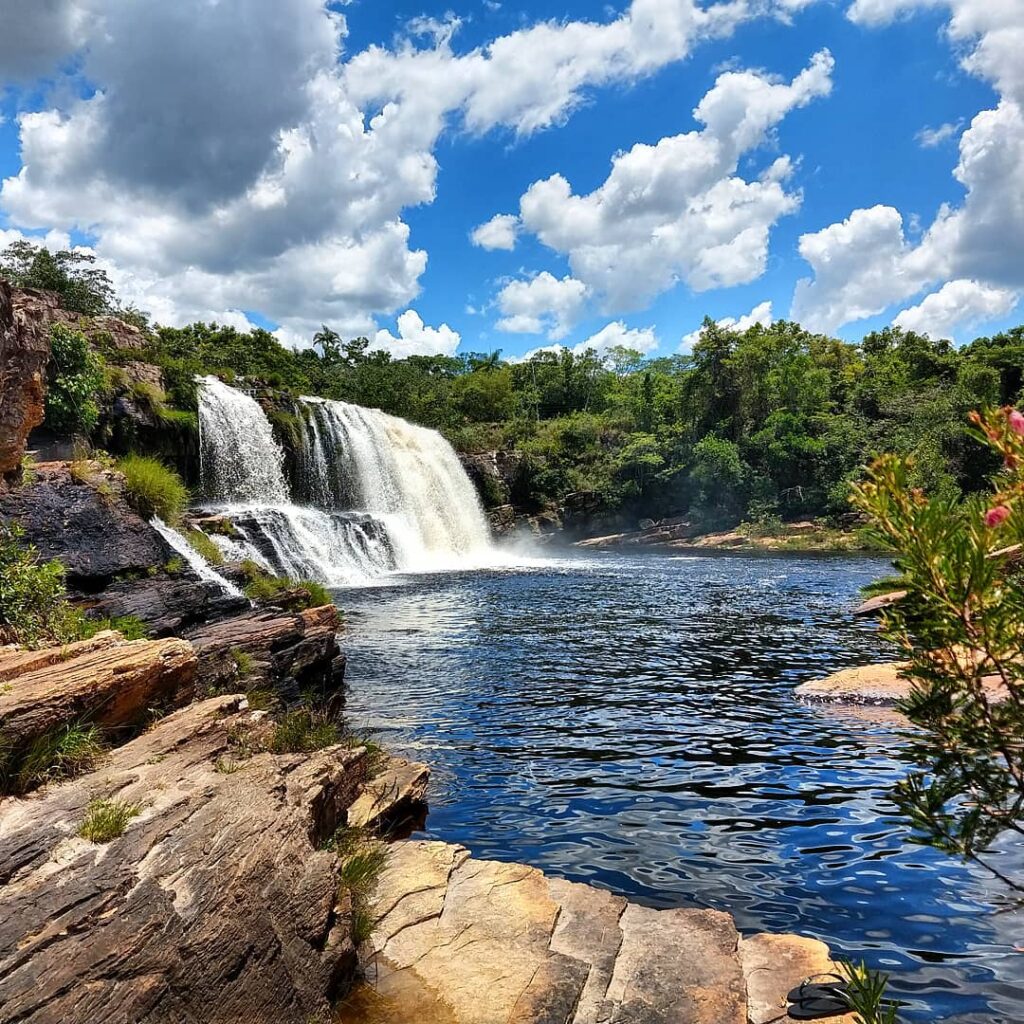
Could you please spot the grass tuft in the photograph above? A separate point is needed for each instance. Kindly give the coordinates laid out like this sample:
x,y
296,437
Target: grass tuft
x,y
57,755
152,489
302,732
245,664
205,546
107,819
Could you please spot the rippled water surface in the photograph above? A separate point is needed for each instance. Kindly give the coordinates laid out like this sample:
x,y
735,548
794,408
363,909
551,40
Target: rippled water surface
x,y
629,721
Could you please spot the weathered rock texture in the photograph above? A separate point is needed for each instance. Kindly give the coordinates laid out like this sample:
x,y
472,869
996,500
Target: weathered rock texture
x,y
214,907
24,353
393,793
165,603
287,651
463,941
105,681
85,523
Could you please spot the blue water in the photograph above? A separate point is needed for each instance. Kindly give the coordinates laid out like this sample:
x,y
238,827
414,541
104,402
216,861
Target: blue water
x,y
629,721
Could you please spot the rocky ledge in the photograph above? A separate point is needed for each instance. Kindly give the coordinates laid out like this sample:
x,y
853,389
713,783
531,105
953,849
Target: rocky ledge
x,y
466,941
216,904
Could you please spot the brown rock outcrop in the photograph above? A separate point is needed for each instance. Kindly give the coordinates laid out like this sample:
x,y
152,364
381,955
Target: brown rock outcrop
x,y
287,651
391,794
105,681
215,905
24,353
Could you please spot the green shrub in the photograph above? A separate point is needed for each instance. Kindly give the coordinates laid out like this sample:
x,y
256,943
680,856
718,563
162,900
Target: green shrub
x,y
33,608
129,626
107,819
244,663
152,489
76,377
302,732
205,547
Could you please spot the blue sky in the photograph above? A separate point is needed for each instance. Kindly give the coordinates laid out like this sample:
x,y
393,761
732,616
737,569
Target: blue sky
x,y
287,164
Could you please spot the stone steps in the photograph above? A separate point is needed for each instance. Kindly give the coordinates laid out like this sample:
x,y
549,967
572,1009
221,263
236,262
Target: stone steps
x,y
466,941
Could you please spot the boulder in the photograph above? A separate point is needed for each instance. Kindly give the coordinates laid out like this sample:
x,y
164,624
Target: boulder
x,y
286,651
879,603
493,474
884,685
502,520
392,795
24,353
216,905
106,681
76,512
106,333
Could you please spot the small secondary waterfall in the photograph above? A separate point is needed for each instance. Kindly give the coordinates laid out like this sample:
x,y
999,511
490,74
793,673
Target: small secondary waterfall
x,y
377,494
196,562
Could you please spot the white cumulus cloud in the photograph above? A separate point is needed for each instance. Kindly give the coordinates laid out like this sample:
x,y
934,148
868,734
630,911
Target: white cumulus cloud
x,y
678,210
498,233
542,304
956,305
416,339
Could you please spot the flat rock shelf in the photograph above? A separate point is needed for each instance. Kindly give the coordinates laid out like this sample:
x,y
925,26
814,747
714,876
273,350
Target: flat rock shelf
x,y
466,941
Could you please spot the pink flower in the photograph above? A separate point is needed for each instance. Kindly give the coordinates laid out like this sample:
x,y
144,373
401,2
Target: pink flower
x,y
1016,422
996,516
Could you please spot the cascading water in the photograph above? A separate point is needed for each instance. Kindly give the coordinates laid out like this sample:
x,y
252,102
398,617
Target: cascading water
x,y
406,476
379,494
196,562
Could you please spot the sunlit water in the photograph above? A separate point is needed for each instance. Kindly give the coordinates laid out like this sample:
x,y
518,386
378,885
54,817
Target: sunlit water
x,y
629,722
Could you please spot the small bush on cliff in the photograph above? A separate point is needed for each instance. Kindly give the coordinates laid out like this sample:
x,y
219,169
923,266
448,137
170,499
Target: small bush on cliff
x,y
295,595
152,489
76,378
33,609
107,819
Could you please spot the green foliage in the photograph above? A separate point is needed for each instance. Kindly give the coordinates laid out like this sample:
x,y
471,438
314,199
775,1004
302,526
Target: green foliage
x,y
129,626
107,819
293,594
245,664
33,608
961,626
76,377
302,732
865,993
152,489
205,547
62,754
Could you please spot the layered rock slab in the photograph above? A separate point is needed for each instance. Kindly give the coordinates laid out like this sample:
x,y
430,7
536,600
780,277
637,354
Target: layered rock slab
x,y
465,941
106,681
215,905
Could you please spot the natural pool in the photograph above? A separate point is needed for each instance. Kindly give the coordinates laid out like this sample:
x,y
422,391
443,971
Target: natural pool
x,y
629,721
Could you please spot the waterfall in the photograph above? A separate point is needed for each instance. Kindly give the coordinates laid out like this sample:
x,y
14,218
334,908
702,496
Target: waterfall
x,y
406,476
377,494
196,562
241,462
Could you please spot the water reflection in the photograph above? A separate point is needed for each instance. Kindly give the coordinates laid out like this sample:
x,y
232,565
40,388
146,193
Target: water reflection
x,y
629,721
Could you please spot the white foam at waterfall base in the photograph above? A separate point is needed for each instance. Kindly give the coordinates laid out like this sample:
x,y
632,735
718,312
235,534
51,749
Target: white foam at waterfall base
x,y
380,495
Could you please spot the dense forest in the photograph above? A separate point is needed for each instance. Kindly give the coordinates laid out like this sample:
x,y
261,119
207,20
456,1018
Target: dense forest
x,y
769,423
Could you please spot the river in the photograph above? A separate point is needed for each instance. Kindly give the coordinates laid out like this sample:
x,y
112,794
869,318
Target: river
x,y
629,721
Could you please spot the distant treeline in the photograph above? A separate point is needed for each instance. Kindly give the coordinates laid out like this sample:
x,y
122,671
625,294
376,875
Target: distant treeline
x,y
770,422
